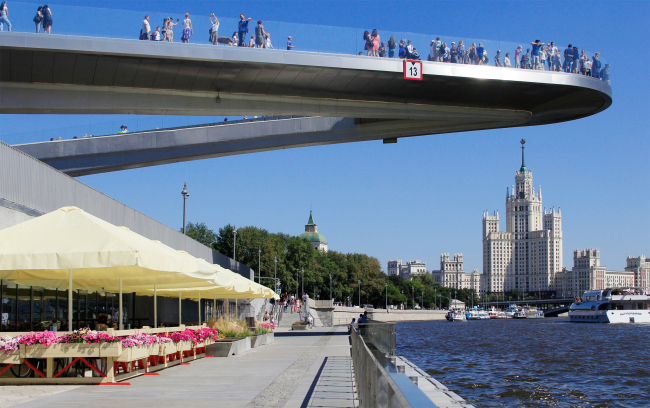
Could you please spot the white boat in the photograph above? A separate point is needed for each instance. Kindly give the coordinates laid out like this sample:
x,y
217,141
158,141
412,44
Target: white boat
x,y
496,314
520,314
456,316
510,313
611,305
476,314
533,313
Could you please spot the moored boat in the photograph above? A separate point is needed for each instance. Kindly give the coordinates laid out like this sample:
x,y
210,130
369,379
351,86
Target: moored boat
x,y
533,313
456,316
611,305
510,312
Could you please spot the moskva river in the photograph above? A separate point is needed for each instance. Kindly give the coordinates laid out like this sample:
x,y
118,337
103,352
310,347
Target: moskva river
x,y
534,363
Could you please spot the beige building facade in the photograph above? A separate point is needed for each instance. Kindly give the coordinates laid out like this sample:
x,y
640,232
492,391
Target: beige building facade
x,y
528,254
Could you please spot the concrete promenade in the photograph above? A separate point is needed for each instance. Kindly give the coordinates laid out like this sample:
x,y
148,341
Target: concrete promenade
x,y
300,369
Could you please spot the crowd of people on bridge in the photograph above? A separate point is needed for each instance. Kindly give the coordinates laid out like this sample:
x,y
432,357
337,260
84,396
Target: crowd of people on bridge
x,y
538,55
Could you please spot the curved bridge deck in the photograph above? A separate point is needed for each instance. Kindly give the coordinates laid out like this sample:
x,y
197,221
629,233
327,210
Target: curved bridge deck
x,y
71,75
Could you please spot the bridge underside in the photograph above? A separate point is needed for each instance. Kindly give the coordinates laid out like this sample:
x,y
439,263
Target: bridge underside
x,y
80,157
365,98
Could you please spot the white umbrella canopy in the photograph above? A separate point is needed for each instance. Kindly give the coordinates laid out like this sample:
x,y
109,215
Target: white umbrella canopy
x,y
49,246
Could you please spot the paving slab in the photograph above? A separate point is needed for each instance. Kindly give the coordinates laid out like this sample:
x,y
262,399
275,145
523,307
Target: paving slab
x,y
294,371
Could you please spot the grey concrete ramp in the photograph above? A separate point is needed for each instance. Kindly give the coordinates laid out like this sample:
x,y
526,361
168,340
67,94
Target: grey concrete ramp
x,y
80,157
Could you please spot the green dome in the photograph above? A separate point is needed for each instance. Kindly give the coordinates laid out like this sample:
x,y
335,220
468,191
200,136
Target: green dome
x,y
314,237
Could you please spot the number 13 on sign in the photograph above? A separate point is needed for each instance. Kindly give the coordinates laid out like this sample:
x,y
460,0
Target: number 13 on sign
x,y
413,70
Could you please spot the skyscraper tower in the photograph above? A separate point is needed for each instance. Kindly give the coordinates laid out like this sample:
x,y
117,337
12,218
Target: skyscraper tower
x,y
529,253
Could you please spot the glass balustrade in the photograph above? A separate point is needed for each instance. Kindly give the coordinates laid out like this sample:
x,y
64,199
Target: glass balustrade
x,y
307,38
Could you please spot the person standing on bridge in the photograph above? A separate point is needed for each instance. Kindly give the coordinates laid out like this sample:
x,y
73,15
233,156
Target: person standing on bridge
x,y
4,17
214,31
267,42
243,29
374,38
289,44
187,29
146,29
392,44
38,19
47,19
169,31
259,35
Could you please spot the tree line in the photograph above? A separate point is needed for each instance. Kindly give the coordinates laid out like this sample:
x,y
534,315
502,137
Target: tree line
x,y
287,256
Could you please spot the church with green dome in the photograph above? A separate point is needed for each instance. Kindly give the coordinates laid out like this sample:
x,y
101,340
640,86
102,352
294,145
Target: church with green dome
x,y
311,234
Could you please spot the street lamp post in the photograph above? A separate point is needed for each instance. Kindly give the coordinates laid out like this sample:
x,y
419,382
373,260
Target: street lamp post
x,y
435,296
422,300
413,297
185,195
259,265
302,284
234,242
331,289
359,293
275,261
296,282
386,285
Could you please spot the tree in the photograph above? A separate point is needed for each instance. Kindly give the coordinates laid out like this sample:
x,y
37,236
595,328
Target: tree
x,y
201,233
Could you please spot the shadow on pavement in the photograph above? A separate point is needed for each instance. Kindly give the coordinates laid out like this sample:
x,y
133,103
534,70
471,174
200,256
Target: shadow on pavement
x,y
308,333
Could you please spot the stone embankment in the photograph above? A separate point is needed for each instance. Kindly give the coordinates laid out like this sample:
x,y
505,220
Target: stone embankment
x,y
344,315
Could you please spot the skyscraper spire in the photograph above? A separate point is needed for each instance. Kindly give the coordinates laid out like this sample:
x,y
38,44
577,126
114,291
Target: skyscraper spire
x,y
523,162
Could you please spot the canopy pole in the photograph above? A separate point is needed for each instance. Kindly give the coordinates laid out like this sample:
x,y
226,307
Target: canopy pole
x,y
199,309
179,307
236,311
155,307
214,309
70,299
120,319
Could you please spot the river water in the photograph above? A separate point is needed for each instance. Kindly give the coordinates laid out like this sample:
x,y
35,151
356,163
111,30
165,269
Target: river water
x,y
534,363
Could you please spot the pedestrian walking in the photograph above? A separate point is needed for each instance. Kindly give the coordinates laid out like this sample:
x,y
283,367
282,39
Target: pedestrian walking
x,y
289,43
243,29
146,29
214,30
187,29
4,17
38,19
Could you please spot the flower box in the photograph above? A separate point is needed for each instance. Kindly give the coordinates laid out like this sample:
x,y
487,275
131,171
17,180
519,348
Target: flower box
x,y
184,345
61,350
168,348
258,340
229,347
154,349
12,358
133,353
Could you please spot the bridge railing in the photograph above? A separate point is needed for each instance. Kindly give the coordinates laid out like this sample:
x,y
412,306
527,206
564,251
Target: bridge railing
x,y
126,24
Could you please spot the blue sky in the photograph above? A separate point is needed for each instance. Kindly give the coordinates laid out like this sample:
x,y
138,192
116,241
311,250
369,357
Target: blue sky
x,y
424,195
